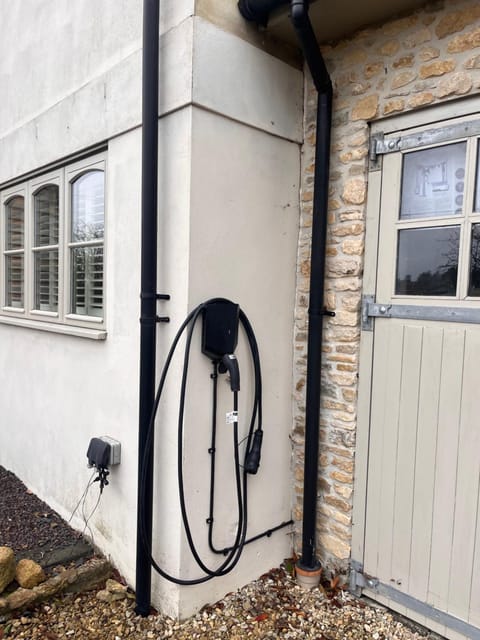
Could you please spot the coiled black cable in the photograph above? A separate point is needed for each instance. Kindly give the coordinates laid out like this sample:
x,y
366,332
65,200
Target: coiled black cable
x,y
234,552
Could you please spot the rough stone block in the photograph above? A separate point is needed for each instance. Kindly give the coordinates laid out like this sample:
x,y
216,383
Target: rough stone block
x,y
455,84
403,78
29,574
457,21
366,108
7,567
437,68
465,42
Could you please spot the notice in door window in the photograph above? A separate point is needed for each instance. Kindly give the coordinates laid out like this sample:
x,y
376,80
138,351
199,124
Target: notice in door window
x,y
433,182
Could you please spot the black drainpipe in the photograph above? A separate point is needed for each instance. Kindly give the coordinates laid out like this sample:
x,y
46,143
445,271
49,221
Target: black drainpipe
x,y
258,11
148,295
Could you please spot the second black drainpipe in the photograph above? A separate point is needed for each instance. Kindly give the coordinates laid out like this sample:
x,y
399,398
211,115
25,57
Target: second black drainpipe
x,y
258,11
148,296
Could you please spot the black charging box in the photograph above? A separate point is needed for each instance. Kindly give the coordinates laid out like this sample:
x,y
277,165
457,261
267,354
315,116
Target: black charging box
x,y
220,328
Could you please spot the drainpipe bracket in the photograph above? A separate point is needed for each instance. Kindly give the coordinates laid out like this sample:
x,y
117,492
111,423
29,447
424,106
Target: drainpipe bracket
x,y
154,296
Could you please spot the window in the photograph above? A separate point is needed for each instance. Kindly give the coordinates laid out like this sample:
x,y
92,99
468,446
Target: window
x,y
438,226
52,267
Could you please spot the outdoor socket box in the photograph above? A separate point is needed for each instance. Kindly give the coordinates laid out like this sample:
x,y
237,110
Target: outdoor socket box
x,y
103,452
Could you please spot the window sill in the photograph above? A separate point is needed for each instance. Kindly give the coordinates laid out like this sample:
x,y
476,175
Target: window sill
x,y
65,329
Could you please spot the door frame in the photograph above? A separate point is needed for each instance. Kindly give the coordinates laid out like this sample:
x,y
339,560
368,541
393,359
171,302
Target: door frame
x,y
391,128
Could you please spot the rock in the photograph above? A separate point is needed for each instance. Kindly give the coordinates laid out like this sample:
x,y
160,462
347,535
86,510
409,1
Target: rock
x,y
457,21
113,591
7,567
394,105
403,78
21,598
29,574
90,575
115,587
366,108
455,84
354,191
106,596
438,68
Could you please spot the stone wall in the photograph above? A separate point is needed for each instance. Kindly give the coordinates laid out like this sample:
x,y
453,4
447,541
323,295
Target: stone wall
x,y
418,60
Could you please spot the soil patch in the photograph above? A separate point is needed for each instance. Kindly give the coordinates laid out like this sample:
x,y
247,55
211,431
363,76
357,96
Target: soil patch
x,y
32,529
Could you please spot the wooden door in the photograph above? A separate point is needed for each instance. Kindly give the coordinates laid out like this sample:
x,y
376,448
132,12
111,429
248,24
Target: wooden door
x,y
422,523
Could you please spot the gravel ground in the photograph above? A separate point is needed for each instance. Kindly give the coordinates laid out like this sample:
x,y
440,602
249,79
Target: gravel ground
x,y
271,607
28,525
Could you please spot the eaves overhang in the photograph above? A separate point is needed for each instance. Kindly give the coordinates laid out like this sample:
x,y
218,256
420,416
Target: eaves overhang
x,y
334,20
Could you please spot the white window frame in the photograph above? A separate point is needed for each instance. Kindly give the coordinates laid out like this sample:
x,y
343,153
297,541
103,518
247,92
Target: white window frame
x,y
61,321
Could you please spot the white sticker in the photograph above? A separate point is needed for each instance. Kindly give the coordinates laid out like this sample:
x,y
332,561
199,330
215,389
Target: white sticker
x,y
231,417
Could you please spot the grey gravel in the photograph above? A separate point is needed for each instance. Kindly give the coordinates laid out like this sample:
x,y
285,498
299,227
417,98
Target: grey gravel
x,y
273,606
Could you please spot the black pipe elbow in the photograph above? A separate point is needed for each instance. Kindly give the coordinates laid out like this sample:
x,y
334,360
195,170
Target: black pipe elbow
x,y
259,10
301,23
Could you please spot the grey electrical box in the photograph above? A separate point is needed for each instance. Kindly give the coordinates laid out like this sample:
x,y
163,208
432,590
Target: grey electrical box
x,y
115,450
103,452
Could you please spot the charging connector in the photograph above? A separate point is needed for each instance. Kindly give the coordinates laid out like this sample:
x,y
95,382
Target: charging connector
x,y
252,460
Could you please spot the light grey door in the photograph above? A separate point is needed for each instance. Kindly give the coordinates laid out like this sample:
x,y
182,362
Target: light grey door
x,y
422,523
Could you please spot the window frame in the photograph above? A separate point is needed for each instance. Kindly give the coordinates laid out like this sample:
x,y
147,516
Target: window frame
x,y
464,220
62,320
35,185
71,174
5,197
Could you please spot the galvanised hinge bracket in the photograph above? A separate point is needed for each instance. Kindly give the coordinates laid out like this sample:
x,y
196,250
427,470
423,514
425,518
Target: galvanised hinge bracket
x,y
360,580
381,144
374,154
367,318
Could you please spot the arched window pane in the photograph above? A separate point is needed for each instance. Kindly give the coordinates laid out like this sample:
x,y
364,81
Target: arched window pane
x,y
46,216
88,207
14,223
14,261
86,256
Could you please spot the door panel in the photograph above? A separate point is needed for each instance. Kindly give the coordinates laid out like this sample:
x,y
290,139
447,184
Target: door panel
x,y
422,523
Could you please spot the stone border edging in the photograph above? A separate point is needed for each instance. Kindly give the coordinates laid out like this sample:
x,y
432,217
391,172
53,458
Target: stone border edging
x,y
73,580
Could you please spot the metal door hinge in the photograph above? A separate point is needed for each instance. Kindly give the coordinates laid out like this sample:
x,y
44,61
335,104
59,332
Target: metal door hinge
x,y
381,144
367,319
360,580
372,309
379,147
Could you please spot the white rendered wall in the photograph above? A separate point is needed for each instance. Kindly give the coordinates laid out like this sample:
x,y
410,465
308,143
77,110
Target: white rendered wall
x,y
228,214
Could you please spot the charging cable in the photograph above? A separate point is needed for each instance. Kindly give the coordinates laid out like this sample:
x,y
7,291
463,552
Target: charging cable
x,y
226,362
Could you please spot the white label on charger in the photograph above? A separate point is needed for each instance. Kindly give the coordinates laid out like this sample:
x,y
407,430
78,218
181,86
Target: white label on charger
x,y
231,417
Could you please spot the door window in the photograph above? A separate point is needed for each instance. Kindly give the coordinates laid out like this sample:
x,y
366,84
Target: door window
x,y
438,225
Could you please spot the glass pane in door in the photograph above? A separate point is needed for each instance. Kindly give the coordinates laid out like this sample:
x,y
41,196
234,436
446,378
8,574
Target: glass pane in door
x,y
476,206
427,261
474,280
433,182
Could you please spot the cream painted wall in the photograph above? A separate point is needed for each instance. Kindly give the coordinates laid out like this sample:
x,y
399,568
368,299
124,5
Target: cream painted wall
x,y
243,228
228,213
82,83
